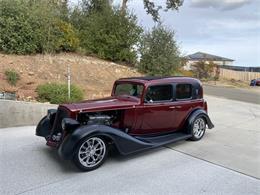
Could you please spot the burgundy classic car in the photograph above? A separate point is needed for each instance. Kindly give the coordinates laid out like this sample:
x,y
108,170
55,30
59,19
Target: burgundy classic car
x,y
142,113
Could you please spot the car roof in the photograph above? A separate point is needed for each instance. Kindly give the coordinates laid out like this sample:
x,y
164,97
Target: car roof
x,y
160,80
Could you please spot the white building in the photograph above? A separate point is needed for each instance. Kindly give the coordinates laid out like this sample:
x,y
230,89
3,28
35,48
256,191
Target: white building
x,y
200,56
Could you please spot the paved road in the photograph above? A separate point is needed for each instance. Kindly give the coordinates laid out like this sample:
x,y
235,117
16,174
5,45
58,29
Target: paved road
x,y
226,161
246,95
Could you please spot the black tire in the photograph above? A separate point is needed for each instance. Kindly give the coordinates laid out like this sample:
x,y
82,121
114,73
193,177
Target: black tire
x,y
198,128
85,151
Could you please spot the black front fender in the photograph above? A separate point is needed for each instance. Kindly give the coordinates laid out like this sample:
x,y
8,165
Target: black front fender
x,y
202,113
43,127
125,143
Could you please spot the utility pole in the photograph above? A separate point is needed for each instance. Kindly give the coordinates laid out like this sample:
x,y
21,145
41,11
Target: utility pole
x,y
68,69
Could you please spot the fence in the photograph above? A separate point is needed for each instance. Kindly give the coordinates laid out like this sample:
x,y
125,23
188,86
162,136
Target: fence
x,y
242,68
238,75
7,96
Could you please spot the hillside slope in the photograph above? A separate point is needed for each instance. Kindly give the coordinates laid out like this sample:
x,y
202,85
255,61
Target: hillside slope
x,y
93,75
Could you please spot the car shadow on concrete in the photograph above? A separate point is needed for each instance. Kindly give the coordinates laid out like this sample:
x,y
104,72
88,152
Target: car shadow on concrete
x,y
65,166
115,156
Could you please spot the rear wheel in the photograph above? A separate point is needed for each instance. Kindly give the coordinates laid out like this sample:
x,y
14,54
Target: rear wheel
x,y
198,128
90,153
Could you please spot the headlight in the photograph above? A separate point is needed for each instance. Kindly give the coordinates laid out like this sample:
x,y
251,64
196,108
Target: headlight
x,y
69,124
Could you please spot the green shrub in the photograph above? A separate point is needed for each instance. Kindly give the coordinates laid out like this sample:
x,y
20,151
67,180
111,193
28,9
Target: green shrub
x,y
107,32
12,77
204,70
47,26
16,33
56,93
28,27
159,53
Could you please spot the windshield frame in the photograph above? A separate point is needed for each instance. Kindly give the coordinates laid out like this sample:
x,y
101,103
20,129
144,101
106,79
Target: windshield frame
x,y
128,82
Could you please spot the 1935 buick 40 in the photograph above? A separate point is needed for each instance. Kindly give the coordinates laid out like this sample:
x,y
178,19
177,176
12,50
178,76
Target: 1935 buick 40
x,y
142,113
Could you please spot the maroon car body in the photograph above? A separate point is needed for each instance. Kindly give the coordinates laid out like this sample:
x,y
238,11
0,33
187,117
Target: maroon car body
x,y
255,82
142,113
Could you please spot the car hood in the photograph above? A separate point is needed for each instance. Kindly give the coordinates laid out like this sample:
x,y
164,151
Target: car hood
x,y
109,103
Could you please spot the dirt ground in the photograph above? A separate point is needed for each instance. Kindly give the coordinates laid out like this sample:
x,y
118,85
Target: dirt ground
x,y
93,75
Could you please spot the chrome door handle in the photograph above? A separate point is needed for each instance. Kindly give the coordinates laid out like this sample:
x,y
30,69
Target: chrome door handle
x,y
173,107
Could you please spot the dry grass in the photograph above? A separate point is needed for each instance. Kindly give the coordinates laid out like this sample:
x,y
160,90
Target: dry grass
x,y
94,76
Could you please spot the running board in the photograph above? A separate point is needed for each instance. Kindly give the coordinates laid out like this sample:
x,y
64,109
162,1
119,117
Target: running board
x,y
164,139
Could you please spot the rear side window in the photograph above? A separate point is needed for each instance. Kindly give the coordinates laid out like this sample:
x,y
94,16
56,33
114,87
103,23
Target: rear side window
x,y
159,93
183,91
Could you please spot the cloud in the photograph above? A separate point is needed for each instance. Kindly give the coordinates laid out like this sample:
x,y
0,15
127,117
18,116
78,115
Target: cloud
x,y
220,4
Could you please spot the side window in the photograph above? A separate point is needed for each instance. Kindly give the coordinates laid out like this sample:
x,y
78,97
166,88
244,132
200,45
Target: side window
x,y
183,91
159,93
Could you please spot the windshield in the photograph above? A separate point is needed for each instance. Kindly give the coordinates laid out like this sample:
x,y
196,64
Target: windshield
x,y
130,89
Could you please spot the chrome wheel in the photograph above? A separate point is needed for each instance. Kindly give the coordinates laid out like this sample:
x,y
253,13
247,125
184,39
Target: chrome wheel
x,y
199,127
92,152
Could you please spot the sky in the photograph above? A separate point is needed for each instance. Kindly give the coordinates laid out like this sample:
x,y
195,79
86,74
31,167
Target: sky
x,y
228,28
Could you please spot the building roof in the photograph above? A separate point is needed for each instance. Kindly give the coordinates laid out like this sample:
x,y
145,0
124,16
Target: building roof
x,y
206,56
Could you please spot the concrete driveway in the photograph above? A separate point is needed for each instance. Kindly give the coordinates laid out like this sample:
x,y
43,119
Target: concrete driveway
x,y
225,161
234,143
251,95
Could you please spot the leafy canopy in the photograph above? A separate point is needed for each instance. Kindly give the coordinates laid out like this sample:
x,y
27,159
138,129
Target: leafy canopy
x,y
204,70
153,9
106,32
159,52
28,27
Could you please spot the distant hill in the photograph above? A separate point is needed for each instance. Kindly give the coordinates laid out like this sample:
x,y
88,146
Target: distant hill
x,y
93,75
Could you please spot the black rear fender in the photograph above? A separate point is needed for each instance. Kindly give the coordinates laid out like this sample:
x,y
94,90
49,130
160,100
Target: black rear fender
x,y
197,113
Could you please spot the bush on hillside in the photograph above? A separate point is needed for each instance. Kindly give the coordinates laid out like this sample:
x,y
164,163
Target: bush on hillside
x,y
107,32
58,93
28,27
16,33
159,53
12,77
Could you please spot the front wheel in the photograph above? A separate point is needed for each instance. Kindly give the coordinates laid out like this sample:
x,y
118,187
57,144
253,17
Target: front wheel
x,y
198,128
90,153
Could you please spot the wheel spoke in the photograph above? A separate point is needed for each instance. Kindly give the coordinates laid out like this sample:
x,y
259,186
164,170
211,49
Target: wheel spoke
x,y
199,128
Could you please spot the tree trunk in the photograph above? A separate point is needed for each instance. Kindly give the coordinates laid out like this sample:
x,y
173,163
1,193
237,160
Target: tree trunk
x,y
123,7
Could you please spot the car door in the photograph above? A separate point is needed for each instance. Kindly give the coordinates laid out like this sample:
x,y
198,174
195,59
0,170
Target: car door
x,y
186,100
157,114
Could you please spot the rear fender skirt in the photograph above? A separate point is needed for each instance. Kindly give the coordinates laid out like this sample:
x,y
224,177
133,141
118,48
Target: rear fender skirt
x,y
125,143
197,113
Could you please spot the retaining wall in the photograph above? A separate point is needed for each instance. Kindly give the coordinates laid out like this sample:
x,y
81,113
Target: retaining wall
x,y
18,113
